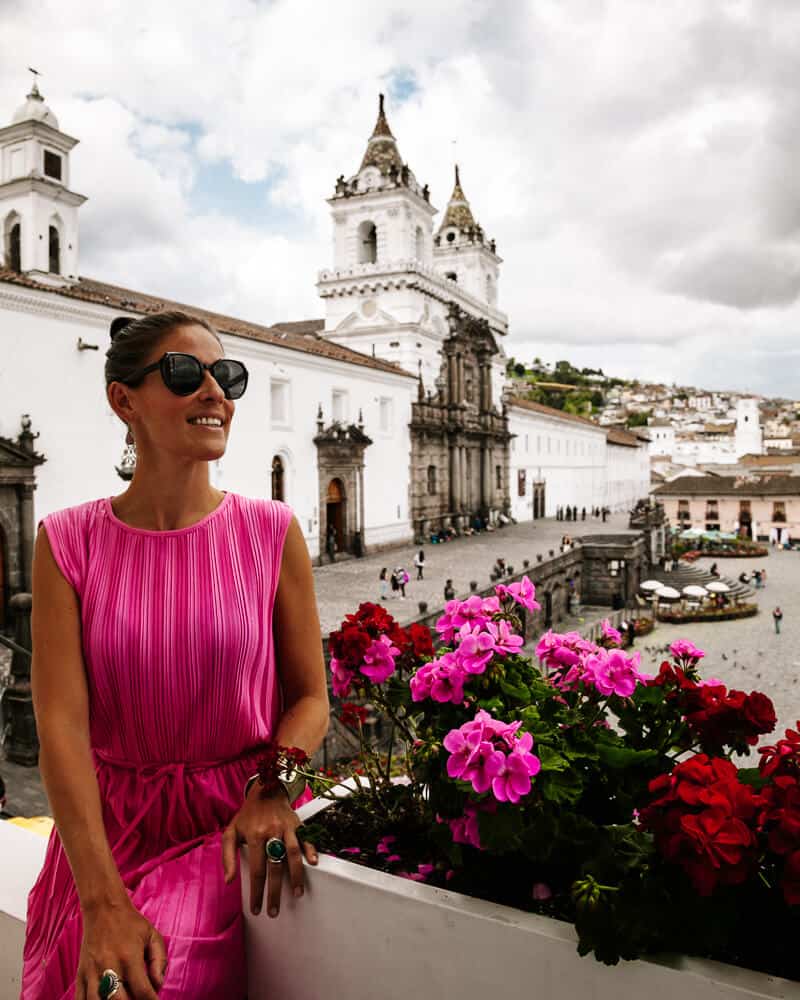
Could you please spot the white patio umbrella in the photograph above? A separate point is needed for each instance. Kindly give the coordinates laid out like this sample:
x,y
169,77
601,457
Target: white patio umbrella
x,y
718,587
694,590
650,585
668,594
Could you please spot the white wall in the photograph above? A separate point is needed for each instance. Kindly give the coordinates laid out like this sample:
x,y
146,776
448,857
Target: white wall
x,y
628,471
567,456
63,389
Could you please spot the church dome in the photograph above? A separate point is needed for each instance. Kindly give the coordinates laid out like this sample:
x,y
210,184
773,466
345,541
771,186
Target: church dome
x,y
34,109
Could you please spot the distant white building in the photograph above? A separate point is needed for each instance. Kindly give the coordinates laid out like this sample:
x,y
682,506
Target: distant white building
x,y
748,428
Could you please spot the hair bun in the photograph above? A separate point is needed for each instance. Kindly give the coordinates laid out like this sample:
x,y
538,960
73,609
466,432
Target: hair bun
x,y
119,324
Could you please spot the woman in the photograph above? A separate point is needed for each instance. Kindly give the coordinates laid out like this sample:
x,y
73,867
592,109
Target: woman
x,y
175,631
419,563
383,584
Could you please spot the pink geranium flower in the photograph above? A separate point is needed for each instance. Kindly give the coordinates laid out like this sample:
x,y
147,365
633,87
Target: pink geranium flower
x,y
379,658
612,635
505,641
523,593
341,678
612,672
474,611
485,750
519,767
442,680
475,647
685,651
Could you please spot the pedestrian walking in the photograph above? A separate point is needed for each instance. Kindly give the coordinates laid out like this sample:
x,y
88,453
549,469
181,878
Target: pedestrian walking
x,y
395,583
574,513
449,590
763,578
777,617
402,580
757,579
583,513
383,584
330,542
419,562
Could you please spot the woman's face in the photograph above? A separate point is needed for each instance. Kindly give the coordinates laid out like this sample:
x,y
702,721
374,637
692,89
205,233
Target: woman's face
x,y
162,421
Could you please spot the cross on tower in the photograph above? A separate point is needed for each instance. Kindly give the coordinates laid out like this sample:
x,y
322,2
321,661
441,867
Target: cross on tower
x,y
36,75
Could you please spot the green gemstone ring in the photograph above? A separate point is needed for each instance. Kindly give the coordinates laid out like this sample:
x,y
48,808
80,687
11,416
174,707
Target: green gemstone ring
x,y
276,850
109,984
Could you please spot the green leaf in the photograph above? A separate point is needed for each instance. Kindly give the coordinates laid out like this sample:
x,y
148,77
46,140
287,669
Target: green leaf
x,y
519,691
618,756
753,777
550,759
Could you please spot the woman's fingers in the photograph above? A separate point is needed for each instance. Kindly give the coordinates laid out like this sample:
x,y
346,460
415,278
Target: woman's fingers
x,y
136,984
229,853
310,852
156,959
294,861
258,872
274,882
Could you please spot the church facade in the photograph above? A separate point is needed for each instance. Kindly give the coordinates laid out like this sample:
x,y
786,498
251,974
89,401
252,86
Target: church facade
x,y
380,423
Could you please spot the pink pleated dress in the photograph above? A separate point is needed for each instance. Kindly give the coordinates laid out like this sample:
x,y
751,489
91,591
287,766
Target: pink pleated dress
x,y
177,641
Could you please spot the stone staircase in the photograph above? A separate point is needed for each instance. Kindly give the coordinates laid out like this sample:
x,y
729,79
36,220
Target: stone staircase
x,y
683,574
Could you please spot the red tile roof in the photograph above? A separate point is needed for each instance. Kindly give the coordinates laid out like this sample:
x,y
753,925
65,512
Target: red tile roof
x,y
303,335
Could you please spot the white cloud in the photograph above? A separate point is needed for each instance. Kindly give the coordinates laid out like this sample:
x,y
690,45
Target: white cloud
x,y
636,162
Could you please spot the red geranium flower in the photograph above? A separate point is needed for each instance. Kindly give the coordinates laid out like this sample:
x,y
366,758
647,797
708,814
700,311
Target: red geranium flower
x,y
784,757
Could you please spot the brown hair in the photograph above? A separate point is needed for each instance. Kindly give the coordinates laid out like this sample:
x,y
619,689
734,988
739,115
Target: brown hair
x,y
133,341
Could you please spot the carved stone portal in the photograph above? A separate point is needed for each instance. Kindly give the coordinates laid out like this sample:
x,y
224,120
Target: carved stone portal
x,y
340,460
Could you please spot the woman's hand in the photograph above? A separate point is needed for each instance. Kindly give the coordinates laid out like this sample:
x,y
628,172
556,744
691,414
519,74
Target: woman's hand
x,y
257,821
116,936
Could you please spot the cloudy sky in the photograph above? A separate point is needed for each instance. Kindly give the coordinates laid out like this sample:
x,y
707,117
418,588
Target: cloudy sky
x,y
637,161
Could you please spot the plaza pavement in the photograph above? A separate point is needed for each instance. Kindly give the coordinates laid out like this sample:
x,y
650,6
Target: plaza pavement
x,y
342,586
747,654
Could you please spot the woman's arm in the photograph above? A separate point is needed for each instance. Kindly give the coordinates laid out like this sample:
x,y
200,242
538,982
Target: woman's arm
x,y
298,649
61,705
304,722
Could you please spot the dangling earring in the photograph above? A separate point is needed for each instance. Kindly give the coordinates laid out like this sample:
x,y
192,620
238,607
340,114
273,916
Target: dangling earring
x,y
127,466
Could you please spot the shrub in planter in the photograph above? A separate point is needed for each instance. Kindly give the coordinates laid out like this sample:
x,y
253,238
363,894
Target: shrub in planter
x,y
574,785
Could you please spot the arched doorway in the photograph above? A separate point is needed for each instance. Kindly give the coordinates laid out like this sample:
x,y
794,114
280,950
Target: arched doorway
x,y
335,503
278,479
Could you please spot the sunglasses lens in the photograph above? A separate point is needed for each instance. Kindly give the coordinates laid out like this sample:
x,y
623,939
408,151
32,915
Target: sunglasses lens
x,y
232,377
184,374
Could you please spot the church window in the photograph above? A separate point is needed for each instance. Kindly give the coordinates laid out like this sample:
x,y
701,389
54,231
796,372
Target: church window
x,y
451,236
14,251
55,251
431,480
385,410
339,405
278,479
451,276
419,248
520,482
367,243
498,476
52,165
279,402
779,511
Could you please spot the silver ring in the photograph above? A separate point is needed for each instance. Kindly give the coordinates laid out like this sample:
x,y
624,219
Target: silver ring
x,y
109,984
276,850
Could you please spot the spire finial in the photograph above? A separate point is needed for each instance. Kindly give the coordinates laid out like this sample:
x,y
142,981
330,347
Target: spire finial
x,y
458,179
35,88
380,104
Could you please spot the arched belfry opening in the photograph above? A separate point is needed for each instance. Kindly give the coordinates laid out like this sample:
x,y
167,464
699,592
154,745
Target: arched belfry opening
x,y
367,243
278,479
54,250
12,242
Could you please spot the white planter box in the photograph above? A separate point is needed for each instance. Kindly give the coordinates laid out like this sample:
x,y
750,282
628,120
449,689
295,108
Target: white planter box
x,y
359,934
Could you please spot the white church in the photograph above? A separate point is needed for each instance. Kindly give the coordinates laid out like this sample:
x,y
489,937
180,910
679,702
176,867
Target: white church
x,y
388,418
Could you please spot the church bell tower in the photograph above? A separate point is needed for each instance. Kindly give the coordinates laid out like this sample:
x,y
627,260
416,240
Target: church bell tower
x,y
38,211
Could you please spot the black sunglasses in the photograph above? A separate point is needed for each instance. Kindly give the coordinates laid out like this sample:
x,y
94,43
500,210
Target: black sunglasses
x,y
183,374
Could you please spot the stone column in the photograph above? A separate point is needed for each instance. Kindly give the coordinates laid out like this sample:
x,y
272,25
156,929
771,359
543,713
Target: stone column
x,y
453,456
452,380
460,379
486,475
27,536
